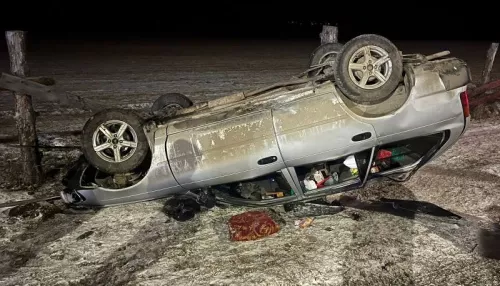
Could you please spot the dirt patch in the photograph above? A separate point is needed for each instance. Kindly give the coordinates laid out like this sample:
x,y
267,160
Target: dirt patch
x,y
44,210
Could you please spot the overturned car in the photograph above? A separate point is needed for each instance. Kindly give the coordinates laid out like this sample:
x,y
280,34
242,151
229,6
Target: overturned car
x,y
361,111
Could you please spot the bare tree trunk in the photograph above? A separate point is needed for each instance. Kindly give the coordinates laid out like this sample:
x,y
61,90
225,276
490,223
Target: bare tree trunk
x,y
329,34
490,58
484,88
24,113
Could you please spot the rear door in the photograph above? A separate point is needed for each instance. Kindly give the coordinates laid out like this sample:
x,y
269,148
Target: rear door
x,y
398,159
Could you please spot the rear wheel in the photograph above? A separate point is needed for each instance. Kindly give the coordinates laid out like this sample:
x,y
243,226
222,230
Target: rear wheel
x,y
168,104
368,69
113,141
322,54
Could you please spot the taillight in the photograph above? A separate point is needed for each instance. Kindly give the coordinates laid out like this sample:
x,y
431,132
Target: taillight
x,y
464,98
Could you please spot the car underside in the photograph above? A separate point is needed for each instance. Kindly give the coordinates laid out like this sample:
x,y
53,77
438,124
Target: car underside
x,y
323,132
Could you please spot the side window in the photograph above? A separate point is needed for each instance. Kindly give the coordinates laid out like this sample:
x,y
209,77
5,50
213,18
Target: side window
x,y
333,173
403,153
270,186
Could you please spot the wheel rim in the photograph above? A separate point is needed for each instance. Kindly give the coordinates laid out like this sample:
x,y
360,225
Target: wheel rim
x,y
171,109
114,141
370,67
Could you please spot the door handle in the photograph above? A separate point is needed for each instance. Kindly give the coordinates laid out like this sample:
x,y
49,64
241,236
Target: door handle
x,y
267,160
362,136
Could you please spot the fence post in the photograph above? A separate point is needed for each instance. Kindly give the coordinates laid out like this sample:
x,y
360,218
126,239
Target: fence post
x,y
329,34
30,160
490,58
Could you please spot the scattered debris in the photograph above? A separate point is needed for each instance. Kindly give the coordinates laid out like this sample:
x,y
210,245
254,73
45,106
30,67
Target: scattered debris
x,y
330,173
251,191
251,225
387,265
29,210
355,216
85,235
313,209
181,208
57,255
303,223
44,210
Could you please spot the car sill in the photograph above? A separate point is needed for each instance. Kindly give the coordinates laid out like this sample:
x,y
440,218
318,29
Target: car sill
x,y
329,189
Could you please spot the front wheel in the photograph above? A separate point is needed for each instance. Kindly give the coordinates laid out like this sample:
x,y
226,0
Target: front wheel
x,y
114,142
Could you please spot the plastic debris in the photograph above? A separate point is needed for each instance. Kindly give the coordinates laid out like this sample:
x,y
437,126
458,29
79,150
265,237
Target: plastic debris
x,y
383,154
318,177
351,162
310,184
354,171
375,169
303,223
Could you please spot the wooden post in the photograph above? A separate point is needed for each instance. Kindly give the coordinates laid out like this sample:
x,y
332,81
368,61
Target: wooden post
x,y
24,112
329,34
490,58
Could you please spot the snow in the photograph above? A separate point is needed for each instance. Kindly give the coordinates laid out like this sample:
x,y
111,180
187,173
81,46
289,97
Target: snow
x,y
138,244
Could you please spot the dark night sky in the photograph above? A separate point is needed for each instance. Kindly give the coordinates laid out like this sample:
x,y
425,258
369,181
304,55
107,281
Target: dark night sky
x,y
142,19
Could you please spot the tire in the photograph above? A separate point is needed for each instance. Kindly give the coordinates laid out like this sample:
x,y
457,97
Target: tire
x,y
112,119
168,104
350,83
321,54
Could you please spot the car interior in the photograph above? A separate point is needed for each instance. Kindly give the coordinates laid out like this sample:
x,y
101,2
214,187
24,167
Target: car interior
x,y
328,176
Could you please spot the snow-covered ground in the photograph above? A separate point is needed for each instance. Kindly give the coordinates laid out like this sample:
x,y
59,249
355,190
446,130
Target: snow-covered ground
x,y
139,245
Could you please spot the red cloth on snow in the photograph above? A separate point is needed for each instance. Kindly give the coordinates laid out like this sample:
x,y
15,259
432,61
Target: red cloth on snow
x,y
251,225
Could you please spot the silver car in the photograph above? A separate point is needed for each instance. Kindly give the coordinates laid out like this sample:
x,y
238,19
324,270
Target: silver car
x,y
362,111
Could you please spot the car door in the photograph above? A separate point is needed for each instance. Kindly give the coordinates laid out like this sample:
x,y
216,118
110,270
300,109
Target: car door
x,y
315,132
398,159
228,146
317,128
